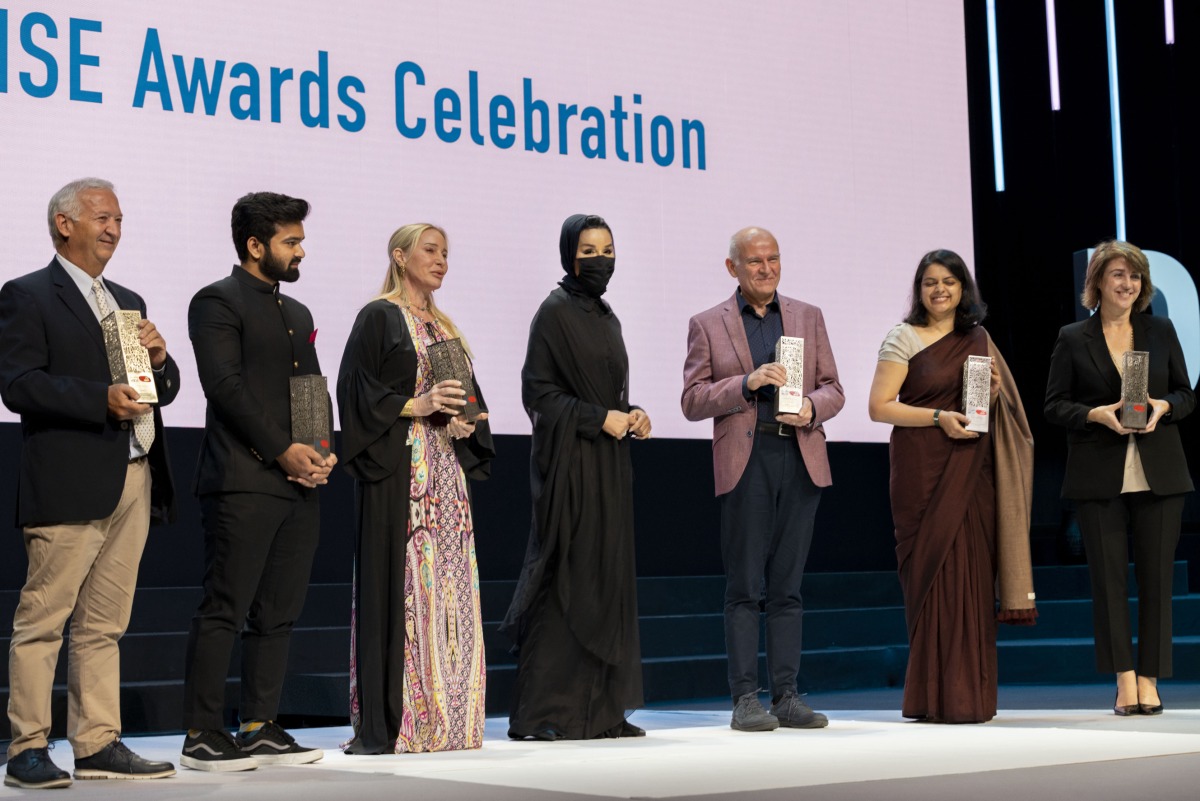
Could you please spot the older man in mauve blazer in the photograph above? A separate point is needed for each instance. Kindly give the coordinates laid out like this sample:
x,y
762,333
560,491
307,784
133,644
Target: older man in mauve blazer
x,y
768,469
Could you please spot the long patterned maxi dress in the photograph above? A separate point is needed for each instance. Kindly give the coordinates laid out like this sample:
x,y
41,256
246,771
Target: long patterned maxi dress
x,y
439,705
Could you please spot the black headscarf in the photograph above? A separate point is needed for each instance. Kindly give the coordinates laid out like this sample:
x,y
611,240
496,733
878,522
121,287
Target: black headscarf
x,y
568,246
568,241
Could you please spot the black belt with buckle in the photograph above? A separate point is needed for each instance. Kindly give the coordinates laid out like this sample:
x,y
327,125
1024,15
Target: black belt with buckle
x,y
776,429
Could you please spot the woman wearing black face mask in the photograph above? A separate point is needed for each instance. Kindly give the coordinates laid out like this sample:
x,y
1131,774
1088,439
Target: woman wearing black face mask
x,y
574,613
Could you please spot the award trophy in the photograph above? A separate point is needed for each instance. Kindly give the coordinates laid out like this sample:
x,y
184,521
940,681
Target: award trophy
x,y
1135,395
310,411
449,361
977,392
789,399
128,359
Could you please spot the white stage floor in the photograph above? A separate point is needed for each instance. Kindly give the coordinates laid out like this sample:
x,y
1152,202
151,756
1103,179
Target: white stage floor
x,y
1023,754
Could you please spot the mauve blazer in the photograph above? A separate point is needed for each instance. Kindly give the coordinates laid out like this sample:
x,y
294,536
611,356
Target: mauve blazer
x,y
1083,376
718,358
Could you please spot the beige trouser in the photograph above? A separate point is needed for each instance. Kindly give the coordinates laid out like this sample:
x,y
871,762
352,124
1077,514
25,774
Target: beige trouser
x,y
85,571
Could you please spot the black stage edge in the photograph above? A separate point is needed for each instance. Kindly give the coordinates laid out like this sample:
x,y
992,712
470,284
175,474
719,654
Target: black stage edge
x,y
676,516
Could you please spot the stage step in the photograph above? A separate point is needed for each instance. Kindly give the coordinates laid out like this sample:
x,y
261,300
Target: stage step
x,y
854,636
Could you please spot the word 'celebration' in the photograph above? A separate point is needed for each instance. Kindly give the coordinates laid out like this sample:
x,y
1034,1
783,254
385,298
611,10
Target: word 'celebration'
x,y
320,98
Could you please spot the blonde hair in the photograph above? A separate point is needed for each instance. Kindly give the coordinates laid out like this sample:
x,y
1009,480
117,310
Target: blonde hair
x,y
1108,251
405,239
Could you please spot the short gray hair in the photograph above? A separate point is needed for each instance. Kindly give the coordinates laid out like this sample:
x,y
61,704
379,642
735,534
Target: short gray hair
x,y
745,235
66,202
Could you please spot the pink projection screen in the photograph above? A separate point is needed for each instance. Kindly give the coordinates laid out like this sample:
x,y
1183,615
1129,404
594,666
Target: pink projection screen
x,y
842,127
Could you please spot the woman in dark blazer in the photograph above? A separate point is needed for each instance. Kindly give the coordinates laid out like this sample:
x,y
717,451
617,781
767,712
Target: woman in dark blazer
x,y
1124,480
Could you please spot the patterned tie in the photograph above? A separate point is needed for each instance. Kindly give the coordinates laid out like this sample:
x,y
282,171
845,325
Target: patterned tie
x,y
143,424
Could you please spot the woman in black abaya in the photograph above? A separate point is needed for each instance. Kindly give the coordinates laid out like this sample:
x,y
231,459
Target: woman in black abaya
x,y
574,614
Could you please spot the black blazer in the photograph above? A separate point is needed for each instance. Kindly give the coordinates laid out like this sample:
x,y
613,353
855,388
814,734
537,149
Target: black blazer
x,y
54,373
249,341
1083,376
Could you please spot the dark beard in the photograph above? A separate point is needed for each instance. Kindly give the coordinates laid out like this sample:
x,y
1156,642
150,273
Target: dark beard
x,y
276,269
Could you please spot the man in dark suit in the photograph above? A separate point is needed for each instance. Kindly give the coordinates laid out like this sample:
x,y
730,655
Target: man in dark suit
x,y
256,487
94,475
769,469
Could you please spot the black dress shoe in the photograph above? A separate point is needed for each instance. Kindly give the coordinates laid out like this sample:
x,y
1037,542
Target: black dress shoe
x,y
546,735
629,730
1147,709
1125,710
32,770
354,748
116,761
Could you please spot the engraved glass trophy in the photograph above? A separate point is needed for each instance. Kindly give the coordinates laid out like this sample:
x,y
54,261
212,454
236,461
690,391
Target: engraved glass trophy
x,y
128,359
977,392
310,411
449,361
789,399
1135,392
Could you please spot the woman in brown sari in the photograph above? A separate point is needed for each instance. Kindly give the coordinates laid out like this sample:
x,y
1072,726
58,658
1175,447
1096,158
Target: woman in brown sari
x,y
960,499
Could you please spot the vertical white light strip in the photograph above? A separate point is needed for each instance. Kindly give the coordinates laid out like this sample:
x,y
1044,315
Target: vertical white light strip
x,y
1169,20
1052,47
1114,102
994,75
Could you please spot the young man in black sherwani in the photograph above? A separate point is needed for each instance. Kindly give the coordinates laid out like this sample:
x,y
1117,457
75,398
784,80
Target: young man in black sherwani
x,y
257,489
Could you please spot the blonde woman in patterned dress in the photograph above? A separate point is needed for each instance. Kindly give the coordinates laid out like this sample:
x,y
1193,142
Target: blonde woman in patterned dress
x,y
416,651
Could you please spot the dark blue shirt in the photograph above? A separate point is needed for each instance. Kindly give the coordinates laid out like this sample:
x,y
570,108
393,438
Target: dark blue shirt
x,y
762,333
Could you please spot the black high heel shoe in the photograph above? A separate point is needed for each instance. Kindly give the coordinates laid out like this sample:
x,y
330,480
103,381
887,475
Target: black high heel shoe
x,y
1147,709
1125,710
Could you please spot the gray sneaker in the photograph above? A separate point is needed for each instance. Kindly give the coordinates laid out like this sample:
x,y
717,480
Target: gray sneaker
x,y
749,715
793,713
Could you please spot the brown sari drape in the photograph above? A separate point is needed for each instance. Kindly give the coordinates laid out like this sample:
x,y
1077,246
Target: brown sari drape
x,y
944,506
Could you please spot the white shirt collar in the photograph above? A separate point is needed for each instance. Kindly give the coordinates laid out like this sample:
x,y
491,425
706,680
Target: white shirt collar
x,y
84,282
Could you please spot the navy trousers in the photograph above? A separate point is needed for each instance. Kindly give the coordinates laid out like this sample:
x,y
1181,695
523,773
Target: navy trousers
x,y
766,531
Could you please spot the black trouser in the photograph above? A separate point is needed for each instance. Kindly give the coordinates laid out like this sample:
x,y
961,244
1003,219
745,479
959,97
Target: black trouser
x,y
766,530
1105,525
258,553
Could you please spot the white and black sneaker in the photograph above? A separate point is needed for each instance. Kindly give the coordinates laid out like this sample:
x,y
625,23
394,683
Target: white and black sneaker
x,y
214,750
269,744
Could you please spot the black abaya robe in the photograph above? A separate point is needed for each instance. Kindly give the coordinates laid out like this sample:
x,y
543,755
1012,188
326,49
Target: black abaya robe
x,y
574,614
377,377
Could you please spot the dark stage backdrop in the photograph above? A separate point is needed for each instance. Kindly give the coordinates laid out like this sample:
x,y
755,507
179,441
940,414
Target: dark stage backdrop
x,y
1059,192
1058,199
676,515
